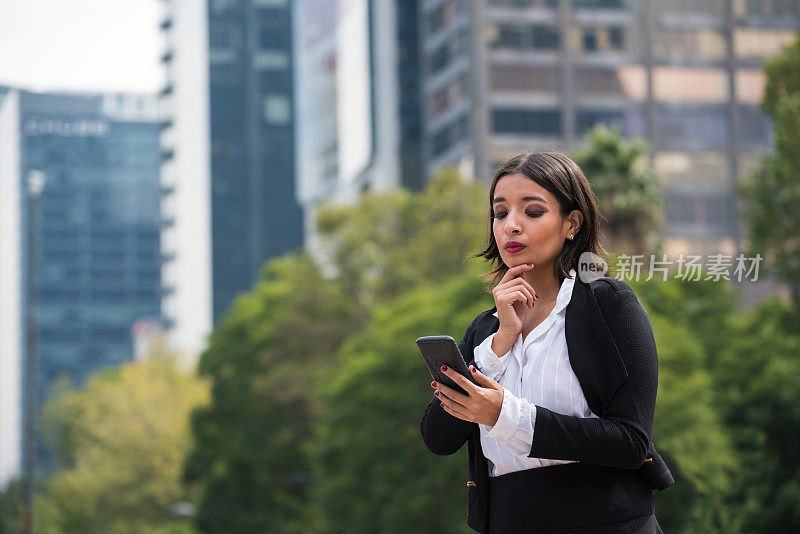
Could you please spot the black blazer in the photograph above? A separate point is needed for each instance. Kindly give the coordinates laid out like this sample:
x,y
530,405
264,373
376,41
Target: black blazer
x,y
612,351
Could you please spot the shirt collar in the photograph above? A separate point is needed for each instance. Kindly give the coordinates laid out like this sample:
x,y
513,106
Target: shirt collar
x,y
564,294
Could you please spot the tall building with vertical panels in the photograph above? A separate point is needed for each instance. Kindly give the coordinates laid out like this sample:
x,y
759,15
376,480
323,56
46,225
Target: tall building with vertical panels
x,y
506,75
359,121
228,177
83,253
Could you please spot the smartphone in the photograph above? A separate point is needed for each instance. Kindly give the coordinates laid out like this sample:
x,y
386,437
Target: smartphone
x,y
442,350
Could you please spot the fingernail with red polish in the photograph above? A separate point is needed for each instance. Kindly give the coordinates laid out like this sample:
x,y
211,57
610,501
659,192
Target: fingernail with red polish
x,y
444,368
472,368
433,384
436,392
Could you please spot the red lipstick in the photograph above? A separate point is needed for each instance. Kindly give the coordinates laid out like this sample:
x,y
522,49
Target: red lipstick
x,y
514,246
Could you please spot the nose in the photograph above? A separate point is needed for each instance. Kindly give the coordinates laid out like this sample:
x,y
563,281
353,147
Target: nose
x,y
512,225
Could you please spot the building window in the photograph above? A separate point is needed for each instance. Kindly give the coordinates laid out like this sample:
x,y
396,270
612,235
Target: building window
x,y
586,119
451,49
224,36
449,135
523,37
692,127
709,211
519,77
220,6
277,109
525,3
271,59
616,38
599,38
526,121
597,4
269,38
447,96
589,40
442,16
773,8
269,3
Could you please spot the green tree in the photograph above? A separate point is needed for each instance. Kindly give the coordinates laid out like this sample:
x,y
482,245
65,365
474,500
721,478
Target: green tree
x,y
123,437
771,197
11,508
693,321
249,458
630,198
390,242
373,470
757,376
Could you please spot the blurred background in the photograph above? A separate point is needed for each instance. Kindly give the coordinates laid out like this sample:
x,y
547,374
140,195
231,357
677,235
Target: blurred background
x,y
223,223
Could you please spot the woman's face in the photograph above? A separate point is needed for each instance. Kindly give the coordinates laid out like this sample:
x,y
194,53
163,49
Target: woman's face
x,y
527,223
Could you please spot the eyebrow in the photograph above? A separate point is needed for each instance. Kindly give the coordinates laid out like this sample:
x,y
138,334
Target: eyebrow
x,y
501,199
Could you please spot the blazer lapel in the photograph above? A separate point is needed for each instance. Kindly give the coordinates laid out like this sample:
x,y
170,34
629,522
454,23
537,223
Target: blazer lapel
x,y
593,354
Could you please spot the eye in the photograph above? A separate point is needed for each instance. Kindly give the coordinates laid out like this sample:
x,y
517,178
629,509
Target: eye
x,y
531,213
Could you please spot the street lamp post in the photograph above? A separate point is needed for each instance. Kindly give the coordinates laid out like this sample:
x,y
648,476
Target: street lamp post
x,y
36,182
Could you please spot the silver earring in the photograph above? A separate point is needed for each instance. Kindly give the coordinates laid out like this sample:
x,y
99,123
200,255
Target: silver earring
x,y
571,237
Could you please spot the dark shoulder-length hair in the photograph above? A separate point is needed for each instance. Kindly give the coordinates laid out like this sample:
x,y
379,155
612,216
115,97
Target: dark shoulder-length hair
x,y
564,179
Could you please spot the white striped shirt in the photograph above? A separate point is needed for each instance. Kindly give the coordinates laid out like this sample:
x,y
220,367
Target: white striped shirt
x,y
535,371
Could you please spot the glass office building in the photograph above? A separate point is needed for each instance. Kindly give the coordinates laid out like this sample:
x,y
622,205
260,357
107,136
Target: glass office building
x,y
84,252
228,157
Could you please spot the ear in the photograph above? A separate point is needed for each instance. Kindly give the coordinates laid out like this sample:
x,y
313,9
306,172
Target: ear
x,y
575,219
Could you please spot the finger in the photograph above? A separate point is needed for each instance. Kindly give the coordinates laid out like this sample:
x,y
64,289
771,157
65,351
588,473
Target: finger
x,y
455,412
459,379
513,272
514,282
482,378
530,299
452,394
510,296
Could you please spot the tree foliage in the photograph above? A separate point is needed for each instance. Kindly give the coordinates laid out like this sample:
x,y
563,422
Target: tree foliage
x,y
374,471
123,437
692,321
629,196
11,508
391,242
250,457
757,376
772,195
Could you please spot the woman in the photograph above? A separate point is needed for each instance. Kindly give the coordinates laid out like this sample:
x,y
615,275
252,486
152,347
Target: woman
x,y
558,426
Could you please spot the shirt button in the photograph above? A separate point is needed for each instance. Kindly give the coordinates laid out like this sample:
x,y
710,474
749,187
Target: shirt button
x,y
495,367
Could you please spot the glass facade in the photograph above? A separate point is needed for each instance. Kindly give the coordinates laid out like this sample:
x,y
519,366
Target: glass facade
x,y
254,213
97,235
446,54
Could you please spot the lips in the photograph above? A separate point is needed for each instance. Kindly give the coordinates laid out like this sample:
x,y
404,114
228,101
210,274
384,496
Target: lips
x,y
513,247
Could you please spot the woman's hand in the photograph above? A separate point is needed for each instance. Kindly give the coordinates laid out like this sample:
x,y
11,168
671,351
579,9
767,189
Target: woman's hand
x,y
483,403
514,297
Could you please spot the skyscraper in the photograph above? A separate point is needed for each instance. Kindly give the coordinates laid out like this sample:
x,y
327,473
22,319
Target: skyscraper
x,y
79,242
358,102
228,163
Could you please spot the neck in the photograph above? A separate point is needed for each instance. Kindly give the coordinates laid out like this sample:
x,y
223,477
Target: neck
x,y
543,281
